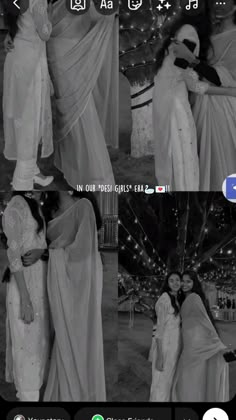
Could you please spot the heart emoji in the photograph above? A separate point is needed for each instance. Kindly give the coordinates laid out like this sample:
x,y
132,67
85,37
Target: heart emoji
x,y
160,188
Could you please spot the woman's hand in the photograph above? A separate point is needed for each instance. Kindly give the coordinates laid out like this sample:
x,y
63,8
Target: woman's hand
x,y
180,50
8,44
32,256
26,310
222,91
160,362
159,356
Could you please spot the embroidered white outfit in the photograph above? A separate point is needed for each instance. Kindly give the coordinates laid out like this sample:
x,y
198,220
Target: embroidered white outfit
x,y
27,344
175,137
168,331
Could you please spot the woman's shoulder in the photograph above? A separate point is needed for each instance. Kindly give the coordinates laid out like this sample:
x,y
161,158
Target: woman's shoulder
x,y
164,299
83,204
193,297
187,31
188,28
17,203
16,209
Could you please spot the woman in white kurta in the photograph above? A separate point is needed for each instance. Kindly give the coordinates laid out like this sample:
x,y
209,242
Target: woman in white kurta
x,y
27,305
166,347
175,135
202,351
75,282
26,96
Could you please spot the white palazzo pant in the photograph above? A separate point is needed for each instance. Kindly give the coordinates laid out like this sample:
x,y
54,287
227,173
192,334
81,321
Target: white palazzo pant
x,y
26,132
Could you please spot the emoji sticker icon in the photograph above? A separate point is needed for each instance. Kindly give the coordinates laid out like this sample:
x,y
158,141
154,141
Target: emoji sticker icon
x,y
134,4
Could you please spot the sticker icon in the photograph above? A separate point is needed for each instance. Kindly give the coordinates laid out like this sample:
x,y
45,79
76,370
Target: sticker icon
x,y
134,4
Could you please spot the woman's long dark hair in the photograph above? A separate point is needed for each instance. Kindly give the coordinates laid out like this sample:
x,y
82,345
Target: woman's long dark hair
x,y
34,207
52,201
10,19
166,289
203,25
197,288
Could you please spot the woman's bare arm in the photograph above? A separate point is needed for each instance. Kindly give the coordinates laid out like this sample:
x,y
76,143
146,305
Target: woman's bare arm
x,y
221,91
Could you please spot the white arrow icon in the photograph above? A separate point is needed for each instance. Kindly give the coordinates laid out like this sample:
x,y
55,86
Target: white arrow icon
x,y
15,3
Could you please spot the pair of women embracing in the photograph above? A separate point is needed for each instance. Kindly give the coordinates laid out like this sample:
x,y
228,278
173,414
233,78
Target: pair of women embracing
x,y
187,352
80,53
54,321
194,135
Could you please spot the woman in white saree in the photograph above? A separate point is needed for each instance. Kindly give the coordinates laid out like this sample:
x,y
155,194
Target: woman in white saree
x,y
202,354
215,117
75,281
83,64
26,94
27,324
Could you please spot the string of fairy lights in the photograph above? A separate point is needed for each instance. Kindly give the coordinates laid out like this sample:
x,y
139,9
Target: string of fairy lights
x,y
130,23
217,265
157,264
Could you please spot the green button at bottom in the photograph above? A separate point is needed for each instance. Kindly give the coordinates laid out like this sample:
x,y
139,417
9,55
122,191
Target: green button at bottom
x,y
97,417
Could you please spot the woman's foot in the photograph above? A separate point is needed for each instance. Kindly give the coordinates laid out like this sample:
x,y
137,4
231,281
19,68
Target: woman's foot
x,y
43,180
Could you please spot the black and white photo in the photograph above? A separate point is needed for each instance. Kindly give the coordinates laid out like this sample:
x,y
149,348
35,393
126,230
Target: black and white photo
x,y
177,294
58,296
177,94
59,83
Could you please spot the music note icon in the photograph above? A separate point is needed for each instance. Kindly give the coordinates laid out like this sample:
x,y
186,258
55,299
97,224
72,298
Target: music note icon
x,y
189,5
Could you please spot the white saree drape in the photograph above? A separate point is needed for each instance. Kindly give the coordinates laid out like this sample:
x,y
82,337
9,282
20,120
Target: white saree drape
x,y
75,280
202,374
215,118
83,62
